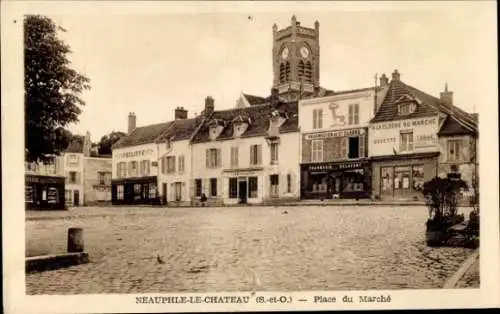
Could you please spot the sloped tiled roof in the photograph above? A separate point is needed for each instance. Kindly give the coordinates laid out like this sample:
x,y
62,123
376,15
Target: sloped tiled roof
x,y
181,129
143,135
259,115
76,145
255,100
457,120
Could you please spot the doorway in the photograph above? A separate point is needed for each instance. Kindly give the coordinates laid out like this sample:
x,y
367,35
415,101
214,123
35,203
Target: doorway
x,y
164,192
242,192
76,197
178,191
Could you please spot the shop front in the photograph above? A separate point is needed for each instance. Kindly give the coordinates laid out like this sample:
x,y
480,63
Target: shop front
x,y
135,191
243,186
44,192
403,176
348,179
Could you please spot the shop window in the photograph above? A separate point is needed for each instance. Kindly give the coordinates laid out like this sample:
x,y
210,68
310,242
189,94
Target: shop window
x,y
197,185
234,156
29,195
289,183
255,154
152,190
353,114
406,141
213,186
386,174
317,150
137,191
170,164
274,153
454,149
402,178
317,118
417,176
252,187
119,192
233,187
353,181
52,195
274,178
353,147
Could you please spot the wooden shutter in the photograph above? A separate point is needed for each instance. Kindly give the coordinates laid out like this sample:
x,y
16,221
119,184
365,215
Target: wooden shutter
x,y
219,158
219,188
207,153
362,146
259,154
343,147
252,160
191,187
206,187
173,164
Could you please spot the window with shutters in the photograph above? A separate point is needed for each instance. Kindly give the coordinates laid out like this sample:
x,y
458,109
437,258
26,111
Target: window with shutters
x,y
406,141
233,187
234,156
353,114
213,187
213,158
253,189
317,118
317,151
454,149
274,153
170,164
197,187
255,155
181,163
289,183
275,181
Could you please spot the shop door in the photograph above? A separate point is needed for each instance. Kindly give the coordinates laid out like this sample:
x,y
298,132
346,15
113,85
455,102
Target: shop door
x,y
164,192
242,191
76,198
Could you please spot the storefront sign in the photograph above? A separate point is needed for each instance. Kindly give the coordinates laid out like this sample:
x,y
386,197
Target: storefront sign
x,y
335,166
340,133
137,153
404,124
242,173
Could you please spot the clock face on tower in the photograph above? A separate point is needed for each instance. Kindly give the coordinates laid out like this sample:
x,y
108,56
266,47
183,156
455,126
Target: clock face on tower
x,y
304,52
284,53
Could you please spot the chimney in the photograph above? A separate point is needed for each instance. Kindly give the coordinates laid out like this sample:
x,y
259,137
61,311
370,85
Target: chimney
x,y
131,122
395,75
87,145
384,81
446,96
180,113
209,106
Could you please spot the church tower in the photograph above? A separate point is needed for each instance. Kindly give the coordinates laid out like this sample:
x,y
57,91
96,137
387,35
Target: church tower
x,y
296,60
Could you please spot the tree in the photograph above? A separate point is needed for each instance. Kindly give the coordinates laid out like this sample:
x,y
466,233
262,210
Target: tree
x,y
51,89
107,141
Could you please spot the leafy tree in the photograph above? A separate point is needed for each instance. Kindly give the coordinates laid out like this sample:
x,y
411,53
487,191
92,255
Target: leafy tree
x,y
107,141
52,89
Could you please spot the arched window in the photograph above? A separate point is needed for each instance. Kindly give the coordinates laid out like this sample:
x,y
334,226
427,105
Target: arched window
x,y
301,69
287,71
282,73
308,72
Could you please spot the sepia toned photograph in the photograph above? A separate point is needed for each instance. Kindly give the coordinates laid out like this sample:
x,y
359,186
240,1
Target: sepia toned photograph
x,y
241,156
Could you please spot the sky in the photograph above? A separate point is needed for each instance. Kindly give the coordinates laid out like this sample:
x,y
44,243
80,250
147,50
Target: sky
x,y
151,63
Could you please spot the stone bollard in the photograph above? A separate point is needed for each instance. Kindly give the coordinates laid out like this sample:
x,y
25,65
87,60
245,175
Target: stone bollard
x,y
75,240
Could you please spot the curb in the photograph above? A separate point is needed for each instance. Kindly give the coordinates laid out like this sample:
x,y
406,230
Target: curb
x,y
51,262
452,282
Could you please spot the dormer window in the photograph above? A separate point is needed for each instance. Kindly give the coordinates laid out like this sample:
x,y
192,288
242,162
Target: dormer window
x,y
275,122
406,108
240,125
216,127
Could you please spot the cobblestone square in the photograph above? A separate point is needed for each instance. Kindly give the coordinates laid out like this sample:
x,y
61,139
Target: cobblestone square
x,y
139,250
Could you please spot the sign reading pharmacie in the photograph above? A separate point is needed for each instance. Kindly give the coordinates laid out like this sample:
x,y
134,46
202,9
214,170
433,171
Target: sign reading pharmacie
x,y
336,166
339,133
136,153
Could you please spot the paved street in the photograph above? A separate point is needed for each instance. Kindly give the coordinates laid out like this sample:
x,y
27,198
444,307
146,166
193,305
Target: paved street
x,y
241,249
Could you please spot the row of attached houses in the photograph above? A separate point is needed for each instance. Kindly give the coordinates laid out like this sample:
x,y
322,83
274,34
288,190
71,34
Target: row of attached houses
x,y
381,142
77,177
